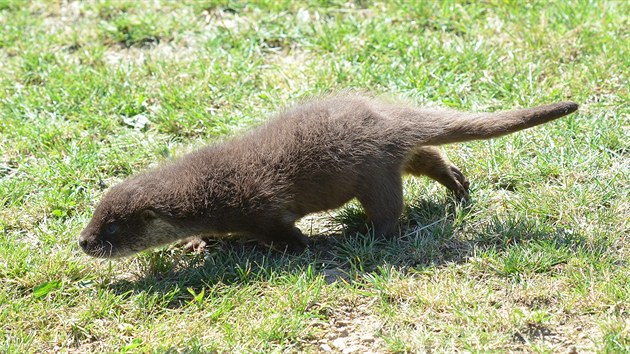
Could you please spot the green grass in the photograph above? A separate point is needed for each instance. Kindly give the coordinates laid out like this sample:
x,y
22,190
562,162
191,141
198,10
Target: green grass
x,y
92,92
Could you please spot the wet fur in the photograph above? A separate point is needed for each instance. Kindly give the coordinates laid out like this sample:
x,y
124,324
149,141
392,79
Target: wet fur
x,y
313,157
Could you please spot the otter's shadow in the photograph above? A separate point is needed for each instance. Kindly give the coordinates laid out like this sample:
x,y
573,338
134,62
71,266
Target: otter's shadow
x,y
431,236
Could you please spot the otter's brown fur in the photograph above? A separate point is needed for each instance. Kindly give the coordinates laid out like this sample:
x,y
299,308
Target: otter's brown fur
x,y
313,157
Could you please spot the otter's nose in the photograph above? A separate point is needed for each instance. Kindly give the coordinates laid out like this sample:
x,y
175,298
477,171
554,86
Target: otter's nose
x,y
83,242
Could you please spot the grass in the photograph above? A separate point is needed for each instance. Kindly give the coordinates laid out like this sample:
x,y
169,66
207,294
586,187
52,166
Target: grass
x,y
92,92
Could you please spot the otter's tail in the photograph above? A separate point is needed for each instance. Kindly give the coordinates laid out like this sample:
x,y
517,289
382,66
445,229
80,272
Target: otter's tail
x,y
455,126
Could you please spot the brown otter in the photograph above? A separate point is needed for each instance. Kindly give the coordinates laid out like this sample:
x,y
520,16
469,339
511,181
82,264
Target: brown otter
x,y
313,157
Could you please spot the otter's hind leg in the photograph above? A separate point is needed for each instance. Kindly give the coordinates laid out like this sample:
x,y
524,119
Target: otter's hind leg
x,y
381,196
429,161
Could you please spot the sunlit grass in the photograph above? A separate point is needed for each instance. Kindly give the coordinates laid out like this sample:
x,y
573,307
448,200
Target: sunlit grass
x,y
93,92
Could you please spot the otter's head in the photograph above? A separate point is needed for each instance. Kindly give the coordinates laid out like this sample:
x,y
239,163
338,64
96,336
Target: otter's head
x,y
127,221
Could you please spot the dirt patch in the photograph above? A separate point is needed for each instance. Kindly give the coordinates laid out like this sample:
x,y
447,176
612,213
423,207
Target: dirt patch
x,y
564,338
352,329
319,224
119,55
222,18
63,17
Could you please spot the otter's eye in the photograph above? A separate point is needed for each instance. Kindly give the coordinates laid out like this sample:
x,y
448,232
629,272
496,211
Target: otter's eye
x,y
111,229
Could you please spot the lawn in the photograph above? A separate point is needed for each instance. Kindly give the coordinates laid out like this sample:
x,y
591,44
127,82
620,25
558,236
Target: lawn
x,y
92,92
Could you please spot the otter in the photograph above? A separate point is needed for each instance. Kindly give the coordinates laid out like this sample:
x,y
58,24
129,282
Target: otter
x,y
313,157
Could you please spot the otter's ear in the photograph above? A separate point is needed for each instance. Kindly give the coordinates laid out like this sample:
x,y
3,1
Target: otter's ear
x,y
148,214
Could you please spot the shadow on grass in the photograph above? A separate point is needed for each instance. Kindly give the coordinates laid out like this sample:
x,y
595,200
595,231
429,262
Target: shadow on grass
x,y
432,235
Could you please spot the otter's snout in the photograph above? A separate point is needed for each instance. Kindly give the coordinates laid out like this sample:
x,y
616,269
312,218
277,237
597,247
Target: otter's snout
x,y
87,244
93,246
83,243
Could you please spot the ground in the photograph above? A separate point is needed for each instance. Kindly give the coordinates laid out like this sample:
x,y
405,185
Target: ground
x,y
92,92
